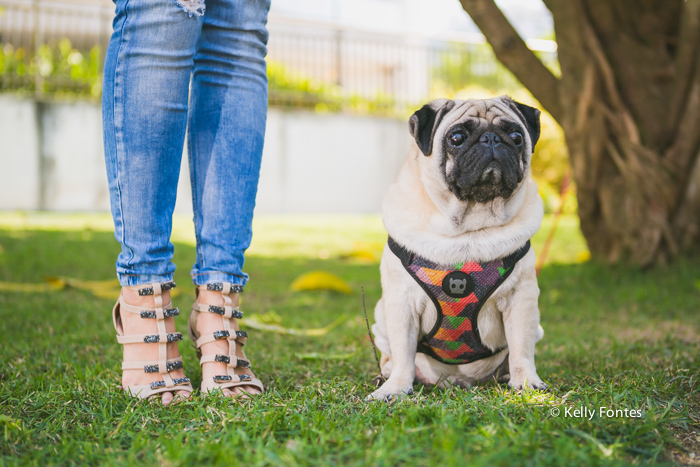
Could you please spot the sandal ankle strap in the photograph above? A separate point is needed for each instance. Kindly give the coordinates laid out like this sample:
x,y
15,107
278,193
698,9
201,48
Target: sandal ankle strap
x,y
224,287
227,312
152,366
154,289
231,360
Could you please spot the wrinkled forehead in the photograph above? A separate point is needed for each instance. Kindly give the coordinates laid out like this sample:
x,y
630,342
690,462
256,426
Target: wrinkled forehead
x,y
483,112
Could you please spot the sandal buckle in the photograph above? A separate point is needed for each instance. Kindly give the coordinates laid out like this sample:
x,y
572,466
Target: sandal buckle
x,y
163,287
222,359
241,334
219,287
221,334
169,366
244,377
222,378
173,366
219,310
243,363
176,382
176,336
237,314
166,313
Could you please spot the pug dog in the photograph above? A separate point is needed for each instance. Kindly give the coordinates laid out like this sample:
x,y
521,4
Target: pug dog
x,y
459,289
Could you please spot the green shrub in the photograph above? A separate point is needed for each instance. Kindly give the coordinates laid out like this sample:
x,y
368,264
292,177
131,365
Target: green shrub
x,y
63,71
57,69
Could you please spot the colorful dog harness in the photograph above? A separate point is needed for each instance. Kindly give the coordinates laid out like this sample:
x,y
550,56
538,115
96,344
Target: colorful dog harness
x,y
458,292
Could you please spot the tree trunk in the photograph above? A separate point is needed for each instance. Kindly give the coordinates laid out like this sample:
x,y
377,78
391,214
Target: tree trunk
x,y
628,100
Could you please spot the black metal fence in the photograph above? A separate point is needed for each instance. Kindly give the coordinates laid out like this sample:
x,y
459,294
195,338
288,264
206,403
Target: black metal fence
x,y
54,49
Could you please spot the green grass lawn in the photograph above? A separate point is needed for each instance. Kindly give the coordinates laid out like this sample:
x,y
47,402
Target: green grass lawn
x,y
614,337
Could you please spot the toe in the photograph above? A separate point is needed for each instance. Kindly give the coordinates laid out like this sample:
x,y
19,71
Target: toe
x,y
238,392
167,398
245,391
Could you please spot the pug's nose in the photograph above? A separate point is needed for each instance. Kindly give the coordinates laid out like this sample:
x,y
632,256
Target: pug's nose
x,y
490,139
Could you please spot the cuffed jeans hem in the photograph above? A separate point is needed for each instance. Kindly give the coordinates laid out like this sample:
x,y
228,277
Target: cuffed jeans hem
x,y
205,278
130,280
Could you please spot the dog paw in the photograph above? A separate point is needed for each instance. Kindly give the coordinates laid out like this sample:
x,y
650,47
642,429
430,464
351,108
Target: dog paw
x,y
388,392
533,383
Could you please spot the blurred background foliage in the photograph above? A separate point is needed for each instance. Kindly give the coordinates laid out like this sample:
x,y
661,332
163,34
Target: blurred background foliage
x,y
64,72
58,69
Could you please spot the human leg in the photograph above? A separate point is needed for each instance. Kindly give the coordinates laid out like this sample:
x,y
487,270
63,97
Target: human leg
x,y
145,95
226,132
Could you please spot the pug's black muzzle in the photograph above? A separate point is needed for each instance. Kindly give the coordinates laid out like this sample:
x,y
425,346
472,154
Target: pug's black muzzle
x,y
487,169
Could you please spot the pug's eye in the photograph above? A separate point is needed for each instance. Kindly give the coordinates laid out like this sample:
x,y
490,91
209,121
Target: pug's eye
x,y
457,138
516,137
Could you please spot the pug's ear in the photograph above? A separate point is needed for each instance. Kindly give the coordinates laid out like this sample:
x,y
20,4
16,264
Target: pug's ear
x,y
425,121
531,118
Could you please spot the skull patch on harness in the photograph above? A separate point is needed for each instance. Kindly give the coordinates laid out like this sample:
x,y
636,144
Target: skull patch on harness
x,y
458,284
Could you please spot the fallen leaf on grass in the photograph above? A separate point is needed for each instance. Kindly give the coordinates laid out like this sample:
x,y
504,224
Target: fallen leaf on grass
x,y
108,289
318,356
583,256
365,252
108,294
276,328
320,280
102,289
25,287
362,256
84,285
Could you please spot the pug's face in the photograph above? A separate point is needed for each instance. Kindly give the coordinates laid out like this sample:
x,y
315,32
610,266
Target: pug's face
x,y
481,148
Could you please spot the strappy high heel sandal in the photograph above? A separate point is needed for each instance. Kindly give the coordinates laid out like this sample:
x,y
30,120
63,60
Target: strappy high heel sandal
x,y
163,365
238,372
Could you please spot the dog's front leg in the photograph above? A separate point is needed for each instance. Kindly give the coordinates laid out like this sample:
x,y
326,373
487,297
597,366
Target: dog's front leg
x,y
522,326
402,332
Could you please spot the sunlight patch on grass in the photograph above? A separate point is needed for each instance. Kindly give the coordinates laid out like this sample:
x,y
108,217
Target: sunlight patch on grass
x,y
317,236
354,238
59,221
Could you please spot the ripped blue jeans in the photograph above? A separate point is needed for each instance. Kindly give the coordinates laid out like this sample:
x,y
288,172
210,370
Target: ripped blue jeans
x,y
176,67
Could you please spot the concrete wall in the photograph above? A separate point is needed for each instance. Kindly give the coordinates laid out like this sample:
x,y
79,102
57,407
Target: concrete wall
x,y
51,157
